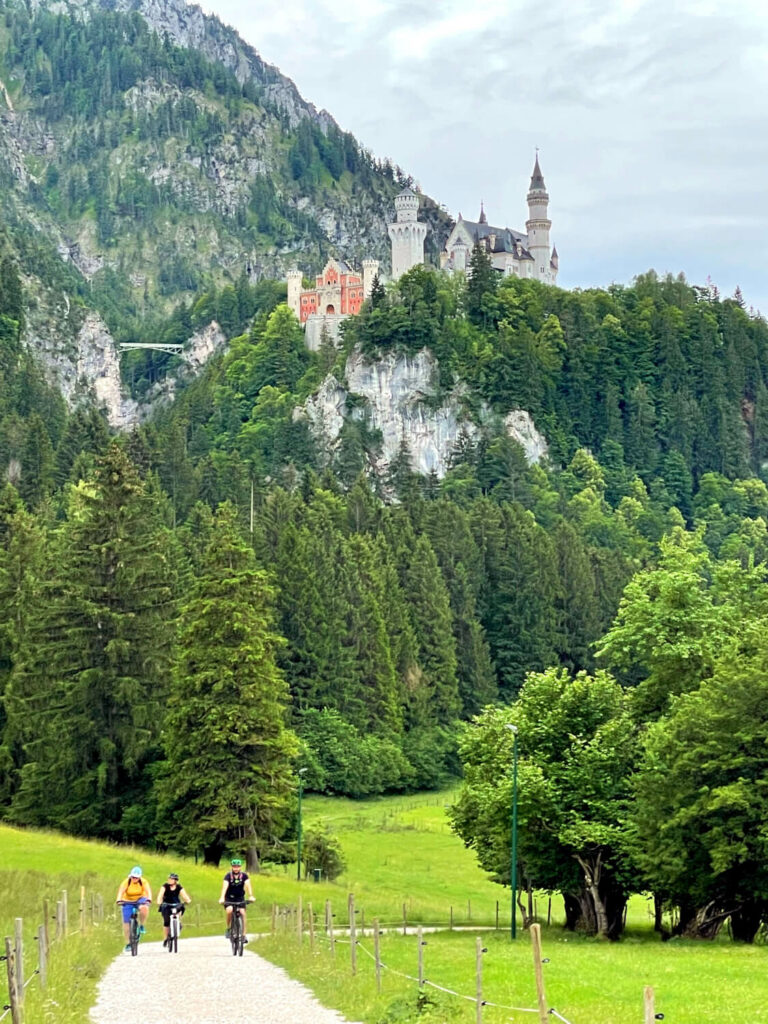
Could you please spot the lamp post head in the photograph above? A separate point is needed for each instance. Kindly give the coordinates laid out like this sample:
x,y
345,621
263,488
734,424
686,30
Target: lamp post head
x,y
512,728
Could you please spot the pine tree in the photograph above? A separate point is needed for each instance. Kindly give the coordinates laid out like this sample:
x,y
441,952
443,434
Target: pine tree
x,y
86,696
482,286
438,696
37,470
229,752
21,557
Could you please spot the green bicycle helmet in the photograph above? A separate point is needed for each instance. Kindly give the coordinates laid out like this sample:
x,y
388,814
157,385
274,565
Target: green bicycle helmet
x,y
236,862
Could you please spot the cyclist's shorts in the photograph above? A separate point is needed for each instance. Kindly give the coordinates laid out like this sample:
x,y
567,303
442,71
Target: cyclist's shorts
x,y
127,908
166,912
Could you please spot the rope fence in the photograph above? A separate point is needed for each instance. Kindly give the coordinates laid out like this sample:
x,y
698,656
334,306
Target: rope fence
x,y
291,919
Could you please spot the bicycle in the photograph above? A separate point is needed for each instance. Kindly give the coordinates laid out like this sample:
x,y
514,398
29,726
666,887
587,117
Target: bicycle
x,y
133,927
236,934
174,925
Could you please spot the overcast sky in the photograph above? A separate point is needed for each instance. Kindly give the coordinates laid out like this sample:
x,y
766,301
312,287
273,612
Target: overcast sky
x,y
651,117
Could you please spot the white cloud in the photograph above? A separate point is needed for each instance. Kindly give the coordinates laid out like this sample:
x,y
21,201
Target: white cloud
x,y
650,115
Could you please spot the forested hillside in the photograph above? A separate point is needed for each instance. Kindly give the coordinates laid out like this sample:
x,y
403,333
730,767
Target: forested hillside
x,y
390,622
149,160
194,612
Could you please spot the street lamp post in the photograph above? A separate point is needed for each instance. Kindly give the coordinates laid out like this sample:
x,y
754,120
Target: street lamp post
x,y
513,864
298,844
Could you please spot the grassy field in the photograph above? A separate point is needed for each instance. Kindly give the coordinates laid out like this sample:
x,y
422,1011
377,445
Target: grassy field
x,y
586,981
399,850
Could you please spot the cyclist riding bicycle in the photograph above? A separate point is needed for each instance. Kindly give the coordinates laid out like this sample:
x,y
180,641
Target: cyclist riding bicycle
x,y
172,893
135,892
235,887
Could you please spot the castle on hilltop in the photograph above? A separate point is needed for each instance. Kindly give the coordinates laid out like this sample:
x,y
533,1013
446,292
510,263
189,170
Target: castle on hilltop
x,y
339,291
511,252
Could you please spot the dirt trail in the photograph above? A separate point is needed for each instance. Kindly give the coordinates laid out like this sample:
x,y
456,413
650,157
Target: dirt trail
x,y
203,984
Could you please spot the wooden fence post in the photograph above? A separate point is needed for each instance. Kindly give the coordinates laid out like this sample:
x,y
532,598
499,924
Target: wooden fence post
x,y
59,919
18,948
82,910
497,915
376,952
469,910
17,1013
549,911
92,902
311,929
331,936
42,957
420,939
479,986
273,925
46,913
650,1005
352,935
362,921
537,966
64,913
300,921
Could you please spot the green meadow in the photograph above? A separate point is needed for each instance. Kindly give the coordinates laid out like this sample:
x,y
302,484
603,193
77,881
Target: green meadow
x,y
399,851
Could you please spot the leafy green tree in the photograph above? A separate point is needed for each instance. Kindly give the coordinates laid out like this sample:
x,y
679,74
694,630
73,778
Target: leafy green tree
x,y
677,619
702,799
321,851
228,777
578,751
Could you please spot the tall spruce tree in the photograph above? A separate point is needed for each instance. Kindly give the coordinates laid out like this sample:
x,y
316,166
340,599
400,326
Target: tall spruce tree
x,y
229,776
86,695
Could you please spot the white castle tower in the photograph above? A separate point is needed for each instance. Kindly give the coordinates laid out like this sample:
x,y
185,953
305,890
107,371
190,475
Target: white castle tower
x,y
538,225
294,279
370,270
407,234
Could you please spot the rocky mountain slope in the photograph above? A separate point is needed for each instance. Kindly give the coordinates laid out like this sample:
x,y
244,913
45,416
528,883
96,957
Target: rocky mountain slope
x,y
148,155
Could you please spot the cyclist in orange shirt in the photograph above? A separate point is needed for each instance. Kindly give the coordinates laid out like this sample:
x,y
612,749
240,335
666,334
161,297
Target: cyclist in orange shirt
x,y
134,891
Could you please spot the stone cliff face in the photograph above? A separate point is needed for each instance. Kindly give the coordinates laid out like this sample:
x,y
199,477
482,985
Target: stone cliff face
x,y
88,369
396,392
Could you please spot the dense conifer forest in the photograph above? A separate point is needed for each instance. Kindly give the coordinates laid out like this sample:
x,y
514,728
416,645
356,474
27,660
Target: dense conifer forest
x,y
193,611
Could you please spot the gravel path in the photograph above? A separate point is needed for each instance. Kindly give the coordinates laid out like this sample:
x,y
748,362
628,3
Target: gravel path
x,y
203,984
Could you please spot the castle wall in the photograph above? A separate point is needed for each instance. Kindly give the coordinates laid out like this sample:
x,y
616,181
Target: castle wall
x,y
314,326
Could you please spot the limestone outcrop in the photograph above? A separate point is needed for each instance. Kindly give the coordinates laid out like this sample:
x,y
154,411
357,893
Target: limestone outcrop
x,y
396,396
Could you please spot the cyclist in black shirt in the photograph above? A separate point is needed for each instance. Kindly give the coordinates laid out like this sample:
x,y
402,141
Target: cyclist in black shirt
x,y
171,893
235,888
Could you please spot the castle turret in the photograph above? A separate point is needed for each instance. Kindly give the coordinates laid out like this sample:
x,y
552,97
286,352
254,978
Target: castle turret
x,y
294,279
538,225
370,270
460,252
407,234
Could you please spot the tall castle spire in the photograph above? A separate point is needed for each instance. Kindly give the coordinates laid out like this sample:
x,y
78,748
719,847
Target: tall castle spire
x,y
538,224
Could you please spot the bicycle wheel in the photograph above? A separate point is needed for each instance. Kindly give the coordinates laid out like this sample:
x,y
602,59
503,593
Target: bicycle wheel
x,y
235,931
134,934
173,934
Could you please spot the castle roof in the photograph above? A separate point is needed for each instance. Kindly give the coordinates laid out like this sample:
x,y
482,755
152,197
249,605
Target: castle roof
x,y
407,191
537,178
505,239
343,266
